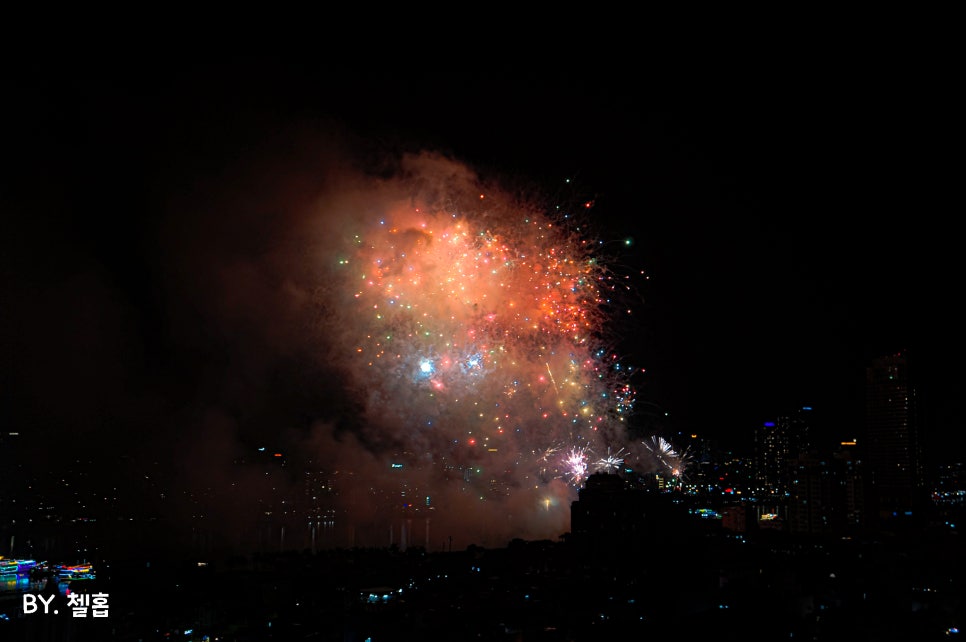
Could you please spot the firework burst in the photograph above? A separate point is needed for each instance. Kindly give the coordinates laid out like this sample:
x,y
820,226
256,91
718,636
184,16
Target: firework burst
x,y
576,466
671,461
612,462
474,332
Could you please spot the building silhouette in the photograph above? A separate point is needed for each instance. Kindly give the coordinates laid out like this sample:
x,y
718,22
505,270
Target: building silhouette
x,y
826,496
777,445
612,517
608,513
893,439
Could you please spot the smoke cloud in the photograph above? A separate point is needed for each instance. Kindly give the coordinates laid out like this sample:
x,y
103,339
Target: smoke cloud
x,y
340,347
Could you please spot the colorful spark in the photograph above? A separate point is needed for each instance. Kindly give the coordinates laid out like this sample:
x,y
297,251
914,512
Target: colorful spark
x,y
475,335
576,466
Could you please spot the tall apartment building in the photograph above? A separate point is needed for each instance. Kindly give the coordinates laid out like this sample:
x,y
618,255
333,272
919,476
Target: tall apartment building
x,y
826,496
777,444
893,437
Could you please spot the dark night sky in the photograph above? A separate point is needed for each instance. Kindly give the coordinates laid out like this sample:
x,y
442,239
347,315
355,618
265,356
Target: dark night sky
x,y
791,230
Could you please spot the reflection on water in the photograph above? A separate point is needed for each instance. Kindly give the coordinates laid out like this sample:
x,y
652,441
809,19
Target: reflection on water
x,y
23,584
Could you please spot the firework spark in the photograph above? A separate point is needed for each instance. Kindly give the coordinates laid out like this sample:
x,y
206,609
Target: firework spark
x,y
611,461
474,330
673,462
576,466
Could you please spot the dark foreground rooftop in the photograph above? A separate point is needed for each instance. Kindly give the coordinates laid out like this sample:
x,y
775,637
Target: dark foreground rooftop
x,y
695,585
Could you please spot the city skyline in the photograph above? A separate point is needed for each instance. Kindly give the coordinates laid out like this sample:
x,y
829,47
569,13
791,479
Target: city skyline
x,y
160,224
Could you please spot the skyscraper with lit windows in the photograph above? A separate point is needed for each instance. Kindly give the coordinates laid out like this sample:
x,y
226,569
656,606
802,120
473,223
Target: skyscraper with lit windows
x,y
893,437
777,444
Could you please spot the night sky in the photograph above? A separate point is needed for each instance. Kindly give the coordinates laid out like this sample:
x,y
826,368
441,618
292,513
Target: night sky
x,y
788,234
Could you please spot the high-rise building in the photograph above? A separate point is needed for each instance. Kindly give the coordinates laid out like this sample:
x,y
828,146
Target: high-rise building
x,y
777,444
893,437
851,484
611,516
826,492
